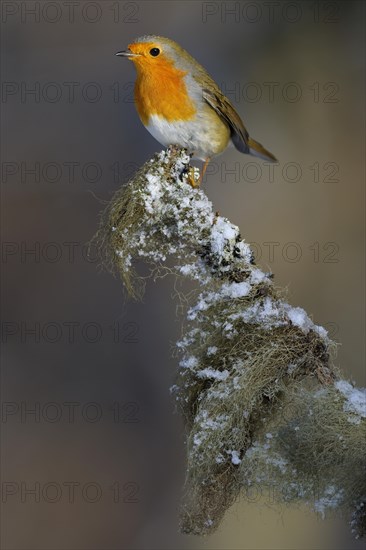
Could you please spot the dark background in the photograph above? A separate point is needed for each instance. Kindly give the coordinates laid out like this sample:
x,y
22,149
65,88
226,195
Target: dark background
x,y
295,72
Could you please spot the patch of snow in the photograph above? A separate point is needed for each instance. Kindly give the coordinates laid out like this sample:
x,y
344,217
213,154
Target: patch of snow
x,y
222,232
299,318
189,362
211,373
235,290
187,269
235,459
355,400
321,331
257,276
196,440
244,251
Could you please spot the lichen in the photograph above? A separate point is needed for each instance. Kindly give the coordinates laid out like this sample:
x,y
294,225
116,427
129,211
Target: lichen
x,y
261,397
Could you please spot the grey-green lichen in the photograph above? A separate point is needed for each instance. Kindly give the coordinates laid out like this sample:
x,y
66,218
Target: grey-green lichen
x,y
262,400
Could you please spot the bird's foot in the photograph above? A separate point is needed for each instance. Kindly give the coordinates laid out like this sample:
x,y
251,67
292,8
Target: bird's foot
x,y
191,175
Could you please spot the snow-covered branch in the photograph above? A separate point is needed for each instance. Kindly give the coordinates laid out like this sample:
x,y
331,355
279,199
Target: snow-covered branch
x,y
263,403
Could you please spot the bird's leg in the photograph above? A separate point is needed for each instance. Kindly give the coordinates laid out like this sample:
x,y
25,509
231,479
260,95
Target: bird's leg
x,y
204,168
191,179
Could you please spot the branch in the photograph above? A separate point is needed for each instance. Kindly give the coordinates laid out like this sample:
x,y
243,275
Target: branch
x,y
262,400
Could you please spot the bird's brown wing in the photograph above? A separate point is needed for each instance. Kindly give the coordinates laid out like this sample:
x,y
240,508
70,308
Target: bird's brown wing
x,y
226,112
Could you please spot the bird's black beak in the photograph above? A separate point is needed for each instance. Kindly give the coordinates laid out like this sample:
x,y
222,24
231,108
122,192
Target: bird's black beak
x,y
127,53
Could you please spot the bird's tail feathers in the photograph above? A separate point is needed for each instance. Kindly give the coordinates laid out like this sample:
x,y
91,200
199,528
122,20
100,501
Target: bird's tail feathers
x,y
257,150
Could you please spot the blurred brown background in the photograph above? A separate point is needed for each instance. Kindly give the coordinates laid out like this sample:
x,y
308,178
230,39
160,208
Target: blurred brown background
x,y
102,451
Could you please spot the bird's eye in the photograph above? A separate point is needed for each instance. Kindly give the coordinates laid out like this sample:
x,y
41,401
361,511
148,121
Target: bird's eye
x,y
154,52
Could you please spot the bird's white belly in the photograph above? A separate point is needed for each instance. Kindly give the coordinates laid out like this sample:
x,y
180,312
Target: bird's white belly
x,y
202,136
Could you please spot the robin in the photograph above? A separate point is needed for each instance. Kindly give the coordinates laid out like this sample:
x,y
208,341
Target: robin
x,y
180,104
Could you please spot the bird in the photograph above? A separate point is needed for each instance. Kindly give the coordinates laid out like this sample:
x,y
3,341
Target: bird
x,y
181,105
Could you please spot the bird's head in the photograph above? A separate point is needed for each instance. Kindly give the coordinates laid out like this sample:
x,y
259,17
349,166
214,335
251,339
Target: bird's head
x,y
156,53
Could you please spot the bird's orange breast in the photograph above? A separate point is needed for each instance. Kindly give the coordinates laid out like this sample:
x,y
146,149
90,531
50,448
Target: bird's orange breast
x,y
161,90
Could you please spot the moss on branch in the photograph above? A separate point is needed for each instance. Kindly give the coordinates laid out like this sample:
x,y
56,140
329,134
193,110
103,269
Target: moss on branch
x,y
256,383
